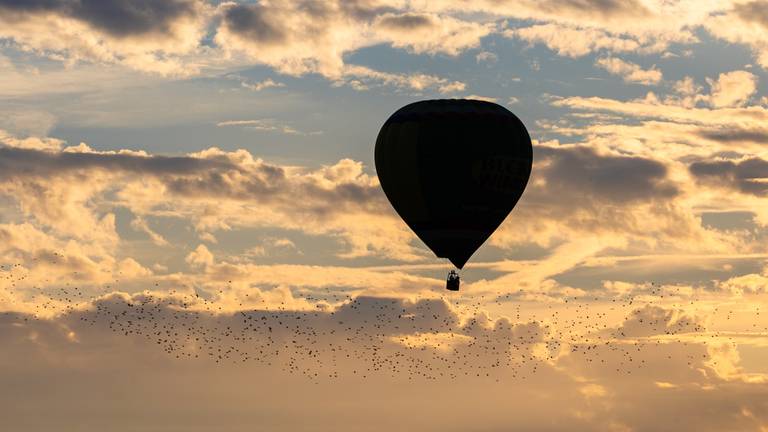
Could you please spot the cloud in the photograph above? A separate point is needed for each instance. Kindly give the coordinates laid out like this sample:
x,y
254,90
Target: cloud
x,y
36,258
252,23
743,23
613,178
361,78
752,283
131,32
272,247
604,197
265,125
486,57
732,89
200,257
431,34
389,348
573,42
405,21
482,98
120,18
630,72
213,190
169,38
707,149
749,176
578,28
23,162
655,320
689,94
295,38
261,85
139,224
31,142
651,107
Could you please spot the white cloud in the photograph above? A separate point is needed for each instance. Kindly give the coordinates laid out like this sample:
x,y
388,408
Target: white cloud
x,y
266,125
361,77
573,42
732,89
742,22
201,257
629,71
261,85
486,57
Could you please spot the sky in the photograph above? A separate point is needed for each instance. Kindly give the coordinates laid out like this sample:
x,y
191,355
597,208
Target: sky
x,y
193,236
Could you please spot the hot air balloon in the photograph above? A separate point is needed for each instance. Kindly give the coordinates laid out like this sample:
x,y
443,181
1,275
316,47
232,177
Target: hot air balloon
x,y
453,169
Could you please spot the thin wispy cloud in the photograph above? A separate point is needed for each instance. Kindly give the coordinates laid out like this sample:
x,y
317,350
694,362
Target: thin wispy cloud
x,y
269,125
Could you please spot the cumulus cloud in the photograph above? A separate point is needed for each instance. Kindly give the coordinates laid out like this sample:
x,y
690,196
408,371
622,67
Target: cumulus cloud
x,y
744,23
200,256
118,18
732,89
296,38
213,188
615,178
750,284
655,320
609,198
144,35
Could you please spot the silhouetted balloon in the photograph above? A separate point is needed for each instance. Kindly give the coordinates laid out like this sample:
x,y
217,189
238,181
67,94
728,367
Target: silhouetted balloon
x,y
453,169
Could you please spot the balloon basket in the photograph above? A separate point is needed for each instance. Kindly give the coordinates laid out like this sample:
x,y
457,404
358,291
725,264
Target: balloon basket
x,y
453,281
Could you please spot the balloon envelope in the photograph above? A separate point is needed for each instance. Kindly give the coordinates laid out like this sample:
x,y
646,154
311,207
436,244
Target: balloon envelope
x,y
453,169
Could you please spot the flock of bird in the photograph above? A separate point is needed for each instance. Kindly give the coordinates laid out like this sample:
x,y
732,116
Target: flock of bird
x,y
426,337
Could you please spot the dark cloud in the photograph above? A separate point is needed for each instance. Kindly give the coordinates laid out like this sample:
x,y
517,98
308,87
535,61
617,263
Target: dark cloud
x,y
406,21
735,135
605,8
131,17
34,5
119,18
214,176
754,11
746,176
580,172
373,332
270,184
17,162
251,21
115,364
363,10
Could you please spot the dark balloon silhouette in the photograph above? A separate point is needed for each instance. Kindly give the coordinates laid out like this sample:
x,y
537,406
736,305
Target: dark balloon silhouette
x,y
453,169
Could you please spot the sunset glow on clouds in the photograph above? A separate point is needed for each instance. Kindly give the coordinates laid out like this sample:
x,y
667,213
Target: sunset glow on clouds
x,y
193,235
